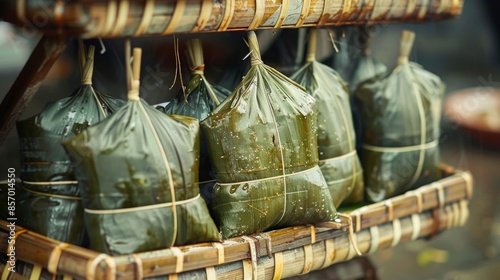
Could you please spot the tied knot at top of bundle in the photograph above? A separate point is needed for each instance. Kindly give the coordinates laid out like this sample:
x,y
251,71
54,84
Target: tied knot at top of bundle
x,y
253,45
407,39
86,59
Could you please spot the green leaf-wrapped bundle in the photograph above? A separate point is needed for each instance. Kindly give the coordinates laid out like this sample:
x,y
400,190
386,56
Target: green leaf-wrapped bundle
x,y
400,115
138,171
201,98
338,159
53,205
367,68
262,140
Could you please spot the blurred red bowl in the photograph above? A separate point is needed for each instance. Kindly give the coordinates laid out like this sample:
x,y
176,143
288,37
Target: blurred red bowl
x,y
477,110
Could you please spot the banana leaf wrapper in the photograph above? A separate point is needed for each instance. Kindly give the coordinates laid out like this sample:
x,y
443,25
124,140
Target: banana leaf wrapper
x,y
338,159
52,206
198,104
262,141
366,69
138,171
400,117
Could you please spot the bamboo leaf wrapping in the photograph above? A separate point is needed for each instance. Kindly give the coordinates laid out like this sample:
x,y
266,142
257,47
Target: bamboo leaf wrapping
x,y
339,161
201,98
122,168
51,205
400,117
262,141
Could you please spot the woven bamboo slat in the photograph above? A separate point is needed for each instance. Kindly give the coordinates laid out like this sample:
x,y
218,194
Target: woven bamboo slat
x,y
443,202
118,18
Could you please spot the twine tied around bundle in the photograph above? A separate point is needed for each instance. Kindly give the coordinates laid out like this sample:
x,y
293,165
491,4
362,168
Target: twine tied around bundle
x,y
197,65
253,45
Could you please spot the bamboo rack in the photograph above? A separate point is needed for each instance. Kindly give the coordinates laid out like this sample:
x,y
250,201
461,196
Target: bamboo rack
x,y
421,213
119,18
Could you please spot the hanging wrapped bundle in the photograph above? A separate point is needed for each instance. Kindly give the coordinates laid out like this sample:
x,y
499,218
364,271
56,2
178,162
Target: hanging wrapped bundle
x,y
338,159
53,207
367,68
400,115
262,140
139,175
201,98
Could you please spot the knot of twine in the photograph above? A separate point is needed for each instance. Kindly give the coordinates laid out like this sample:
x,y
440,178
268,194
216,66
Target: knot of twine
x,y
310,57
255,61
198,70
133,93
402,60
86,81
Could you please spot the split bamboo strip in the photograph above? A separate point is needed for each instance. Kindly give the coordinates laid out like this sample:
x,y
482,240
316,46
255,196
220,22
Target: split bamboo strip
x,y
295,259
293,262
452,189
119,18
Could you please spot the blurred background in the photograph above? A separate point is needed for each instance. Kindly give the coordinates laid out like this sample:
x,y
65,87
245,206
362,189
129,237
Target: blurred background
x,y
463,52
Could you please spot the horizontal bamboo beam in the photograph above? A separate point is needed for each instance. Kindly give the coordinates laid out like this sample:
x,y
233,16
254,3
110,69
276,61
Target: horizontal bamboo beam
x,y
433,198
119,18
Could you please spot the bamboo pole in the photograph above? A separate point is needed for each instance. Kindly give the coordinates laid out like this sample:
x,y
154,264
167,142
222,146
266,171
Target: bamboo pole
x,y
434,198
106,18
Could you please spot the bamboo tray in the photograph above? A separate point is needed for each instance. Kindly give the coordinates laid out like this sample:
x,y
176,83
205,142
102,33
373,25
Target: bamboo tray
x,y
272,255
118,18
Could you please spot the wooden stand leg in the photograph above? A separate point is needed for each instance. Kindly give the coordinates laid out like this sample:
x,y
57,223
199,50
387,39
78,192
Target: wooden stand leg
x,y
27,83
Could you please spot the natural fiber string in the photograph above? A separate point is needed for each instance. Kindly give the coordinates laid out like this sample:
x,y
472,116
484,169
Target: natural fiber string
x,y
16,235
414,148
210,271
253,255
179,259
423,9
141,208
397,232
36,272
306,5
351,235
329,253
468,183
416,226
268,178
53,195
227,15
204,16
464,214
139,274
92,266
313,234
278,266
390,210
121,17
260,8
269,243
440,194
283,13
55,256
51,183
111,16
147,16
308,259
374,239
346,10
220,252
21,10
176,18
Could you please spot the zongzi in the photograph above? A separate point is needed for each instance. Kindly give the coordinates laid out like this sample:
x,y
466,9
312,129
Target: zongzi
x,y
338,159
400,119
200,99
262,141
52,206
138,172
